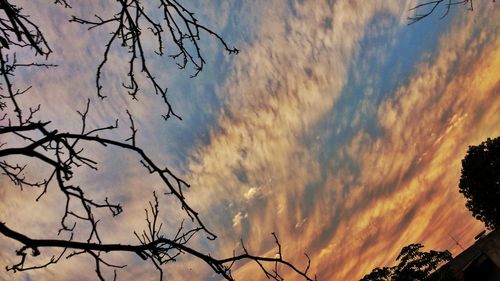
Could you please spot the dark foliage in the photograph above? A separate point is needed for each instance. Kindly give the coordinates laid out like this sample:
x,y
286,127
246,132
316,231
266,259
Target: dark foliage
x,y
413,265
480,181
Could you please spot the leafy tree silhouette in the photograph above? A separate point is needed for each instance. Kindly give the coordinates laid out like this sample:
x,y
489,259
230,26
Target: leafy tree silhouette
x,y
26,139
413,265
480,181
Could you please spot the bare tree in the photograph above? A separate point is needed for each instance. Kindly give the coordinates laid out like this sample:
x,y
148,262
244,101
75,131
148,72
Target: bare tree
x,y
26,138
426,8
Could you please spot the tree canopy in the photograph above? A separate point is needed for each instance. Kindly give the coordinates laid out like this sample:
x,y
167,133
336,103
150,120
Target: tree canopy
x,y
480,181
413,265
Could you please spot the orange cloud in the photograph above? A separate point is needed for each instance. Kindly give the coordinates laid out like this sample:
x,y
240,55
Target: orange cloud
x,y
406,189
259,175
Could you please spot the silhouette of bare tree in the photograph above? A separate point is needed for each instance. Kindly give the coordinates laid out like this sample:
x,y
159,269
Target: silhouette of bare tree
x,y
426,8
26,138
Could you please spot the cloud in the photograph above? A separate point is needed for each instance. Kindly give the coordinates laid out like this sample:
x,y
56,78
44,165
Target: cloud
x,y
121,178
251,193
268,166
283,84
406,190
238,218
381,190
295,76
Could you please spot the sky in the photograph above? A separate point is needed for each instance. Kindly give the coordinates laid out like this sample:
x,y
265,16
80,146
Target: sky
x,y
338,126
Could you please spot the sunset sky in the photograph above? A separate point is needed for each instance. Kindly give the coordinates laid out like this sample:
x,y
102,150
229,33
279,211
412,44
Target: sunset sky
x,y
338,126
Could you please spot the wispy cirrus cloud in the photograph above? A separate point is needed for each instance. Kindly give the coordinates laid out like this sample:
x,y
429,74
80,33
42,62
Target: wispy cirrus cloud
x,y
407,188
386,187
350,187
283,84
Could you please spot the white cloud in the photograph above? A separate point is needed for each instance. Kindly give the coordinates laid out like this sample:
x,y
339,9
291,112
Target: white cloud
x,y
238,218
